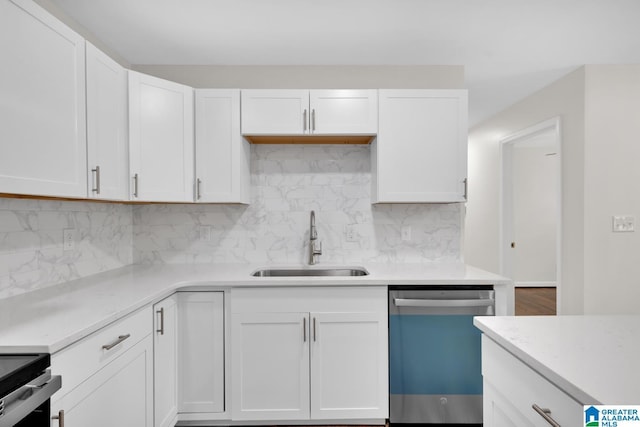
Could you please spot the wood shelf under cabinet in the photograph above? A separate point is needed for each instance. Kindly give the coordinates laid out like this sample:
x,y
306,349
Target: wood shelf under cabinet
x,y
310,139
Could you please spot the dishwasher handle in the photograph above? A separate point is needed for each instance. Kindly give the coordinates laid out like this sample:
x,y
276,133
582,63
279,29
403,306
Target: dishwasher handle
x,y
410,302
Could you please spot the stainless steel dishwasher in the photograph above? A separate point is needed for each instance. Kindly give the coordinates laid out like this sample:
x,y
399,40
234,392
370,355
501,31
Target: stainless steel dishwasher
x,y
434,353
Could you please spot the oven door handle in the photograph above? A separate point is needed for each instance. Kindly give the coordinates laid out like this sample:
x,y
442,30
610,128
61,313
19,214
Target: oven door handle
x,y
406,302
25,400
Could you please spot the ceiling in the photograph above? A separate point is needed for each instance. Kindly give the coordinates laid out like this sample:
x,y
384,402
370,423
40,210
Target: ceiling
x,y
509,48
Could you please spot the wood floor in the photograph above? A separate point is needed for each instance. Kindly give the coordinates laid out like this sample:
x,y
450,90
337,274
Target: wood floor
x,y
535,301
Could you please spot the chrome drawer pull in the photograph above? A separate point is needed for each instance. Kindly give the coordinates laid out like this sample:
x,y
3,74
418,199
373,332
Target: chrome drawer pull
x,y
161,313
546,414
116,342
97,187
59,417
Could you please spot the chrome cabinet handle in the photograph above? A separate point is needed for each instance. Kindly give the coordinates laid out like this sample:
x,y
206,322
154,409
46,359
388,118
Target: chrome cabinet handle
x,y
304,120
59,417
135,185
314,329
198,192
546,414
313,120
466,188
161,313
116,342
97,180
304,329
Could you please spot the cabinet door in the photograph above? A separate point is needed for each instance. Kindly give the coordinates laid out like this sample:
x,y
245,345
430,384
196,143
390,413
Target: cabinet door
x,y
270,366
497,411
120,394
275,112
200,352
107,151
349,374
222,155
160,139
420,154
165,363
344,112
42,113
511,388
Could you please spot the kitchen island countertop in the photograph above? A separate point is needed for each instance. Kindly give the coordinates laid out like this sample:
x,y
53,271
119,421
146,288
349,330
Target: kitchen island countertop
x,y
592,358
52,318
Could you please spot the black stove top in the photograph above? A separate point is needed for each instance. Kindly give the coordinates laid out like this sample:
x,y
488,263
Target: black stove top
x,y
18,369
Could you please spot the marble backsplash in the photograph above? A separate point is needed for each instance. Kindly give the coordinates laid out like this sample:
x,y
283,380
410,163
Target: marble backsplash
x,y
31,249
287,182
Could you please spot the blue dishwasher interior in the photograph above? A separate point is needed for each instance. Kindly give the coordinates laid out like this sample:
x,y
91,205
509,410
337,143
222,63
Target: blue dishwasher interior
x,y
434,355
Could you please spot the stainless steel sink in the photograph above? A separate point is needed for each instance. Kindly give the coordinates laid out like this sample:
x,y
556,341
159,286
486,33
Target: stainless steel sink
x,y
310,272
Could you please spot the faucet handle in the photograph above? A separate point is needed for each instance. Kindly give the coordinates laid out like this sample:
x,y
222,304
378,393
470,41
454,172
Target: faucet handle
x,y
317,248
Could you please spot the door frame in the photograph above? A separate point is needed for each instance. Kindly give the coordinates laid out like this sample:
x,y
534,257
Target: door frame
x,y
506,197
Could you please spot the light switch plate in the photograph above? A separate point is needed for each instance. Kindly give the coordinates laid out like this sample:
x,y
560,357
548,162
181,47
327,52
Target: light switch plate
x,y
624,223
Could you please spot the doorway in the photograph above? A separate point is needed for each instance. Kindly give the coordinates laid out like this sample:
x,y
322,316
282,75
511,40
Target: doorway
x,y
531,207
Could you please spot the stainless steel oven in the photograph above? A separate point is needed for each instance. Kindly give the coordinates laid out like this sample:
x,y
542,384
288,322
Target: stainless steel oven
x,y
434,353
26,386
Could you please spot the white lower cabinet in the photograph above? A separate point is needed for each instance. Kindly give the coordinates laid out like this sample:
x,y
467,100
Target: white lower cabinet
x,y
270,372
511,389
301,354
165,362
108,377
347,360
200,355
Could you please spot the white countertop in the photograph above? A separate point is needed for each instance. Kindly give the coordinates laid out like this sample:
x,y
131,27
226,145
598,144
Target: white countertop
x,y
591,358
50,319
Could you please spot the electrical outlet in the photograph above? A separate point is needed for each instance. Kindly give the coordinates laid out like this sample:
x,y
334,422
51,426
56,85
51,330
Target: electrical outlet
x,y
350,234
405,233
204,232
68,239
624,223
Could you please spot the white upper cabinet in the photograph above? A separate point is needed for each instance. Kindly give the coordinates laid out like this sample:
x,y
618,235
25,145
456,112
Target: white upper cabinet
x,y
42,112
343,112
107,155
420,155
309,112
160,139
275,112
222,154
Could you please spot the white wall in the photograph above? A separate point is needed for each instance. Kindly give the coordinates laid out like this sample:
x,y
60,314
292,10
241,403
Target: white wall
x,y
599,108
564,98
612,186
312,76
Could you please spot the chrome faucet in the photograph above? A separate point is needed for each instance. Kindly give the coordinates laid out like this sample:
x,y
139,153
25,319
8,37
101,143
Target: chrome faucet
x,y
315,247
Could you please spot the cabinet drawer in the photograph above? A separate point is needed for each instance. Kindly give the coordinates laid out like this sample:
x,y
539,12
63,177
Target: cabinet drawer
x,y
522,387
79,361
